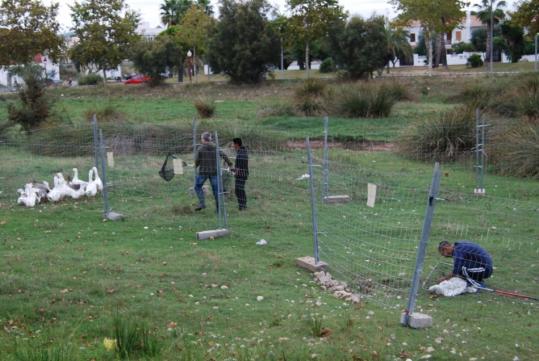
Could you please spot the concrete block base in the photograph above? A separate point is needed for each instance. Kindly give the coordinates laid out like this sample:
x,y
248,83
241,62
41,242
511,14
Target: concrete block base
x,y
417,320
337,199
310,264
113,216
216,233
479,191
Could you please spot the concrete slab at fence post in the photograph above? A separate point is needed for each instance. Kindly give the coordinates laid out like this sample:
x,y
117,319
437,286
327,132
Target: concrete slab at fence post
x,y
212,234
416,320
337,199
310,264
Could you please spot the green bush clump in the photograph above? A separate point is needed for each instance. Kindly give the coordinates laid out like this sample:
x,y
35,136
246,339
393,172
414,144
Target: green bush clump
x,y
444,139
475,61
327,66
529,98
515,151
309,97
90,79
363,101
205,108
33,107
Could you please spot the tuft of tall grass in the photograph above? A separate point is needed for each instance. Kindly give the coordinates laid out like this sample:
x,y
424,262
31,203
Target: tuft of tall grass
x,y
33,352
529,98
133,338
309,97
444,138
515,151
363,101
205,108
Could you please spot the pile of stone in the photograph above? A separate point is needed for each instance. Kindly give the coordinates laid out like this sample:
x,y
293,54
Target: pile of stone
x,y
339,289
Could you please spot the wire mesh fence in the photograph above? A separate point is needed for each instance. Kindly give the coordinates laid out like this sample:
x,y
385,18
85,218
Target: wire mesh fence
x,y
370,240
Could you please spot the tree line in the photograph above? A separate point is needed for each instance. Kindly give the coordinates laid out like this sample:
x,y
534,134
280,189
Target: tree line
x,y
250,39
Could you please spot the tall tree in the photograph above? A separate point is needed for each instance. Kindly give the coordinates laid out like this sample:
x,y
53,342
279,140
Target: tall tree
x,y
27,27
398,45
436,16
527,15
361,48
311,20
513,35
155,57
490,12
243,45
172,11
106,30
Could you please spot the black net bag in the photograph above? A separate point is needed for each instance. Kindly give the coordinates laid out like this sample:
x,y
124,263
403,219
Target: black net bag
x,y
167,169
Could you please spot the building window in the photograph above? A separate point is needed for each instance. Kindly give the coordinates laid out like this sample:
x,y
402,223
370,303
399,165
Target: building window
x,y
412,37
458,36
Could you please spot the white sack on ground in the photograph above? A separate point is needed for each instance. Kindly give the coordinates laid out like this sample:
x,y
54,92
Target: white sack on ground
x,y
452,287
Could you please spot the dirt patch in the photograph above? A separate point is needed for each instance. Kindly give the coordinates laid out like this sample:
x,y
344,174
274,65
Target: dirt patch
x,y
371,146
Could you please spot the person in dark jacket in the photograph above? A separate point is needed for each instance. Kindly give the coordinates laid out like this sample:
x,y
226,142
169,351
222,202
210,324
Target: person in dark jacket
x,y
470,261
241,172
206,165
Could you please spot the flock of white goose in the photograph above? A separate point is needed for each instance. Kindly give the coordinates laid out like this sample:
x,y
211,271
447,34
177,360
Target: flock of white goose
x,y
35,192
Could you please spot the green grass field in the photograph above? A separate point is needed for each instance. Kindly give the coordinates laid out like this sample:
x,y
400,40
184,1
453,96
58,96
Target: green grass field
x,y
66,275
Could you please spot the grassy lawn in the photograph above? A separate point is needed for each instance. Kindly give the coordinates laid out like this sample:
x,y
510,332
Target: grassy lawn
x,y
66,275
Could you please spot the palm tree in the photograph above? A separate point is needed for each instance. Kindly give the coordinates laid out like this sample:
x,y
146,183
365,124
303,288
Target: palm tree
x,y
490,12
173,10
397,44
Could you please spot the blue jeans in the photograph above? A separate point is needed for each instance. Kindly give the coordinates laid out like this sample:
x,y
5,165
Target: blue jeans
x,y
200,180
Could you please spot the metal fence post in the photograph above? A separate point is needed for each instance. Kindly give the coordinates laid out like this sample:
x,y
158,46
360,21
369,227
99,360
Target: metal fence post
x,y
425,233
221,210
105,192
536,66
314,212
480,142
325,191
96,141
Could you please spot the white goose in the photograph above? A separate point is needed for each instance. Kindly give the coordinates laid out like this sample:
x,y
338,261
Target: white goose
x,y
29,196
91,188
77,183
60,190
98,181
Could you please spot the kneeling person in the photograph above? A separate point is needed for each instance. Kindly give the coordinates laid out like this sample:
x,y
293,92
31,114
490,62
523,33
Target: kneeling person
x,y
470,261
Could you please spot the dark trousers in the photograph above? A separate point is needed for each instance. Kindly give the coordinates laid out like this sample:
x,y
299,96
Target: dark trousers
x,y
240,192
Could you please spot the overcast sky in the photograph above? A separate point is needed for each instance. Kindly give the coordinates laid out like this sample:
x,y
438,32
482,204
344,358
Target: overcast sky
x,y
149,9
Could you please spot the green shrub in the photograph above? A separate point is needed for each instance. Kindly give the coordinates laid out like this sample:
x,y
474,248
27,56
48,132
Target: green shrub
x,y
205,108
134,339
515,151
90,79
398,91
529,98
461,47
363,101
475,61
311,87
34,105
309,97
445,138
327,66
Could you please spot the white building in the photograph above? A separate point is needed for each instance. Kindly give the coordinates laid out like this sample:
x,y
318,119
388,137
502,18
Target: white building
x,y
52,70
460,34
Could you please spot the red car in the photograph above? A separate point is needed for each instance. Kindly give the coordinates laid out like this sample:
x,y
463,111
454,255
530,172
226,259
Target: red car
x,y
138,79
